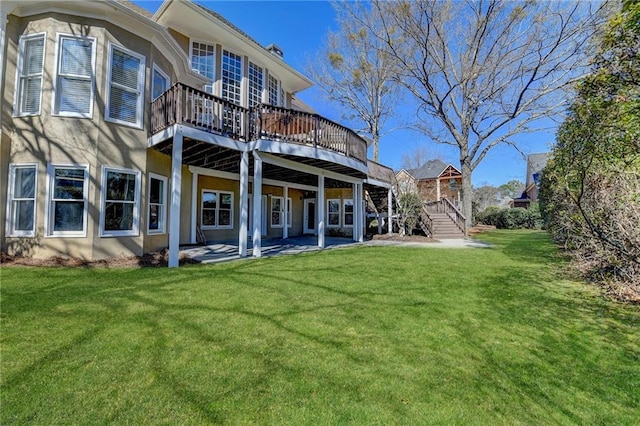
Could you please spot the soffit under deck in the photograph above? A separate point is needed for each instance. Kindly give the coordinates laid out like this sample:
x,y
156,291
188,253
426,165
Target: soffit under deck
x,y
214,157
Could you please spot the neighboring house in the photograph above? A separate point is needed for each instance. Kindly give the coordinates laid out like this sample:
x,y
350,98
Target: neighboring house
x,y
124,133
433,181
535,164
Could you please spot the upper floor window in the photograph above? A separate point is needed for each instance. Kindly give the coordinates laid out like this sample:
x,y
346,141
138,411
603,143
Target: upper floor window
x,y
125,89
21,200
161,82
30,70
68,200
255,84
203,61
274,91
231,77
74,82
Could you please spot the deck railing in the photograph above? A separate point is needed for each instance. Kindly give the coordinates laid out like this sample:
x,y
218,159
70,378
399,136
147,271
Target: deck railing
x,y
447,207
303,128
182,104
380,171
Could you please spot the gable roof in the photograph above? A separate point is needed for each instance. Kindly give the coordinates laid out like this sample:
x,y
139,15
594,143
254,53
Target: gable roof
x,y
430,170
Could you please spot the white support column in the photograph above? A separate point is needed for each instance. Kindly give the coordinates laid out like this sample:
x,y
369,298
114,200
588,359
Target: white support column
x,y
360,212
257,204
354,190
194,207
285,214
176,185
438,189
389,212
244,204
320,211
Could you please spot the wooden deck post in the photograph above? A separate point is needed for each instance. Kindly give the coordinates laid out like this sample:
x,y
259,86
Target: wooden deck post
x,y
389,211
194,207
285,214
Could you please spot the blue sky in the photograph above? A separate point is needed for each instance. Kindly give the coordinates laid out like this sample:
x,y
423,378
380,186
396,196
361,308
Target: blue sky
x,y
299,28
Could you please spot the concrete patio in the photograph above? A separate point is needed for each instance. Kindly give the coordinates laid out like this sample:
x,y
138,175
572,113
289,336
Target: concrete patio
x,y
225,251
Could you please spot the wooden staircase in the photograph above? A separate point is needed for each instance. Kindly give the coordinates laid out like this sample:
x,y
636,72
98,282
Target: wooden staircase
x,y
442,220
444,227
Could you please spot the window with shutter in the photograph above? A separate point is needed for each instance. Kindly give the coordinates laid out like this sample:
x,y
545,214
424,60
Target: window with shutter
x,y
125,87
30,70
75,73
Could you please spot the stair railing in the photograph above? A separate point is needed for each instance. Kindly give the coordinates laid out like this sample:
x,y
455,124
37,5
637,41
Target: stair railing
x,y
456,215
426,222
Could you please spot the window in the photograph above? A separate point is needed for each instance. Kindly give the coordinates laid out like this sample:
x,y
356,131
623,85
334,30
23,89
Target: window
x,y
277,212
68,195
453,184
120,199
74,82
157,204
125,89
255,84
347,212
274,91
160,84
217,209
21,200
30,69
333,213
231,77
203,59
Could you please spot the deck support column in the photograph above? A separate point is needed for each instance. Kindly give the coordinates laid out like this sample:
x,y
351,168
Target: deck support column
x,y
358,212
194,207
438,189
320,212
3,26
389,211
176,185
244,204
257,204
285,213
355,231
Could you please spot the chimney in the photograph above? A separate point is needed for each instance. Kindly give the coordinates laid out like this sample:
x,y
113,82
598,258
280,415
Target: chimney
x,y
276,50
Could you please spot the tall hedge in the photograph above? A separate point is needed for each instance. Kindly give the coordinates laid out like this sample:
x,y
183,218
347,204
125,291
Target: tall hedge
x,y
590,192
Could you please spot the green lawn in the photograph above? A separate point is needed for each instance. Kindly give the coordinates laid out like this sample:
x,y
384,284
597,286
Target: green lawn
x,y
363,335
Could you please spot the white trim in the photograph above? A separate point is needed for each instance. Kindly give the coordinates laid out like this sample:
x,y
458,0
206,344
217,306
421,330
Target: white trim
x,y
18,95
140,89
50,214
271,211
55,101
162,226
135,225
218,193
153,79
10,222
376,182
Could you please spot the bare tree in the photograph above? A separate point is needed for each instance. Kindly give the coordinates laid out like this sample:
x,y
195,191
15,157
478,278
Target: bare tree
x,y
483,72
419,155
354,70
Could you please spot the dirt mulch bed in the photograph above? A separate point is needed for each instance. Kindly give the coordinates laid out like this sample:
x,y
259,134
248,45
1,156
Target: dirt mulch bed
x,y
160,258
